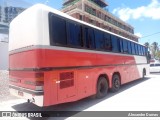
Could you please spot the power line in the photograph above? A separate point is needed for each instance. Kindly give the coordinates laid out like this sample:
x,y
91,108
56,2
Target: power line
x,y
150,35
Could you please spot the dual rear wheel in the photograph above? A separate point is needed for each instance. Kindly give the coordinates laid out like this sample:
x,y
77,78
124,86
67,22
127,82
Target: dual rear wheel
x,y
103,86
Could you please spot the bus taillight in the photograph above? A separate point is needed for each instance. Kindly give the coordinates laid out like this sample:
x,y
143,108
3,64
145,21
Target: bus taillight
x,y
39,81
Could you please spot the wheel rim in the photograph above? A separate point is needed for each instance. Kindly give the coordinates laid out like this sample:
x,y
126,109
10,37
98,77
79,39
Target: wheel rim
x,y
116,83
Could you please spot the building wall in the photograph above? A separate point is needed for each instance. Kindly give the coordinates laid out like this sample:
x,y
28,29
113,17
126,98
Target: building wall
x,y
7,13
93,14
4,54
10,13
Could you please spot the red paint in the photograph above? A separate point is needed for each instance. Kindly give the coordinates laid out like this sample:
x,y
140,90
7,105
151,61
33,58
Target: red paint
x,y
84,79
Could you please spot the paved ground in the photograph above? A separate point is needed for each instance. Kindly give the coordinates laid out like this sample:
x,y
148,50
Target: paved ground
x,y
3,85
140,95
4,89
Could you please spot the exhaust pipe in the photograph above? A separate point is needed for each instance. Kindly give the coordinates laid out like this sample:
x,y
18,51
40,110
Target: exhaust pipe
x,y
31,100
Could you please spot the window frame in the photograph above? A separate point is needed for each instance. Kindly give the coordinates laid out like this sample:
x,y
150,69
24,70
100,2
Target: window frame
x,y
84,37
105,36
96,41
81,45
107,41
52,41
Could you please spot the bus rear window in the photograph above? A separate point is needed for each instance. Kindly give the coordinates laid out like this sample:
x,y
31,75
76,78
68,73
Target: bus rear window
x,y
58,34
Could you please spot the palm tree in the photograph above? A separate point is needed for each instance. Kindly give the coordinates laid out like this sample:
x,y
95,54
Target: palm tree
x,y
147,45
154,48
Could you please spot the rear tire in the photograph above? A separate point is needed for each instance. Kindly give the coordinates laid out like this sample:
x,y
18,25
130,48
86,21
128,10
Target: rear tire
x,y
144,73
116,83
102,87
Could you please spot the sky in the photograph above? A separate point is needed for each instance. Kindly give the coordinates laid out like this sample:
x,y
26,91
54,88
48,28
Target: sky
x,y
143,15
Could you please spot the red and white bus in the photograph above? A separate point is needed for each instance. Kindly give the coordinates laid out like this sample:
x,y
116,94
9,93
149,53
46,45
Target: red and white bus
x,y
55,58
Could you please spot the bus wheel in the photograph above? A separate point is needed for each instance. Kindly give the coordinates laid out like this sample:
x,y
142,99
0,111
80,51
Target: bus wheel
x,y
116,83
102,87
144,73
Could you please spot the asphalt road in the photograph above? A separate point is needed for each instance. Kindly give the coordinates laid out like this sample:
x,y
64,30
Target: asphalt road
x,y
139,95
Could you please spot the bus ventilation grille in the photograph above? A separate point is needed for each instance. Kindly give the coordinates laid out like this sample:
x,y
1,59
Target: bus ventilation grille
x,y
66,79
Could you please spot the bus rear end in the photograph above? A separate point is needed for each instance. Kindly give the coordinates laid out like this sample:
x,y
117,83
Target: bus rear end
x,y
26,31
25,82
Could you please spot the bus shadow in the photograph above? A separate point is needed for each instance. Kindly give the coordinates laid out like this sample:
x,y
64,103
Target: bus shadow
x,y
74,107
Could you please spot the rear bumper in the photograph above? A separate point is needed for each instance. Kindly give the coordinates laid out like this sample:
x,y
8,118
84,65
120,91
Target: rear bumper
x,y
37,96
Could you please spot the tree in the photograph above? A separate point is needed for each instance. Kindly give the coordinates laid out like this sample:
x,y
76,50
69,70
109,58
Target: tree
x,y
147,45
157,55
154,49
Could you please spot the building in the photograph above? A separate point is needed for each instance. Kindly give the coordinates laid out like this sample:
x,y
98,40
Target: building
x,y
95,12
4,46
4,52
7,13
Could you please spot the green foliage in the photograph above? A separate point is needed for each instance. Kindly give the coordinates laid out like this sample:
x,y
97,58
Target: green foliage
x,y
157,55
154,49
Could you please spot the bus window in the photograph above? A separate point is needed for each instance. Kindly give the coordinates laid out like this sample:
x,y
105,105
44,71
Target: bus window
x,y
129,47
121,45
136,49
108,43
99,40
140,50
125,48
133,47
144,51
89,38
58,31
115,44
74,34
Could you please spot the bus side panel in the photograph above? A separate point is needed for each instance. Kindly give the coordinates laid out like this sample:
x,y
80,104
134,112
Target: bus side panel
x,y
124,65
50,88
85,80
60,86
62,58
